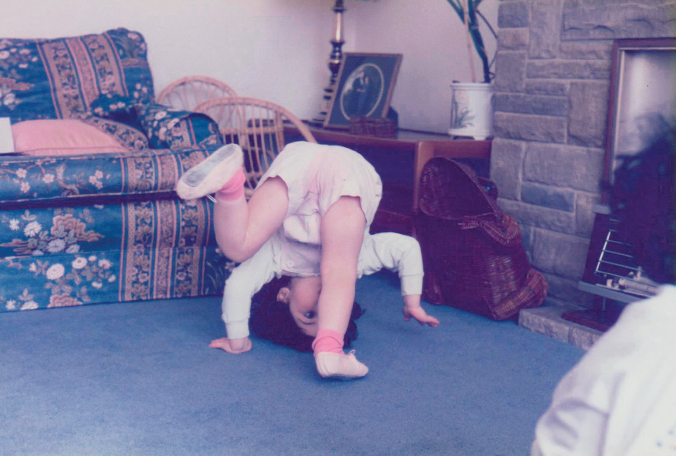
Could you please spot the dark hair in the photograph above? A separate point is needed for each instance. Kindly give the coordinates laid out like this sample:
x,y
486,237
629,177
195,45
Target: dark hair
x,y
272,320
643,201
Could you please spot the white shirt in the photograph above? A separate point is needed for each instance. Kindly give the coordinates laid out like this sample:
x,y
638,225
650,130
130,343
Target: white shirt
x,y
620,399
281,256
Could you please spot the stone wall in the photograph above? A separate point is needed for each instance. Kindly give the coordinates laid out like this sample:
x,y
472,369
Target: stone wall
x,y
551,104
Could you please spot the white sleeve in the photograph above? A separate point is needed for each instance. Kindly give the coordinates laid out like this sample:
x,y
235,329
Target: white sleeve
x,y
570,428
397,253
618,399
245,281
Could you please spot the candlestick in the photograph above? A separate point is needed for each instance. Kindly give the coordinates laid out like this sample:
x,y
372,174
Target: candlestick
x,y
334,60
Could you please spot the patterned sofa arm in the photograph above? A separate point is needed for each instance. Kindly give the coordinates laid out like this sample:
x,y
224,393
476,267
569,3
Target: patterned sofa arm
x,y
173,129
29,181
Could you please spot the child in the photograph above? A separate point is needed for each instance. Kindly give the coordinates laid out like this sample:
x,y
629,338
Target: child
x,y
309,220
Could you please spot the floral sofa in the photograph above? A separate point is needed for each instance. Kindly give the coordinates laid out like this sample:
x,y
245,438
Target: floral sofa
x,y
86,226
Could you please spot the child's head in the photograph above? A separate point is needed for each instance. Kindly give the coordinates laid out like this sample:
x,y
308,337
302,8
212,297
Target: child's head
x,y
301,294
643,201
285,312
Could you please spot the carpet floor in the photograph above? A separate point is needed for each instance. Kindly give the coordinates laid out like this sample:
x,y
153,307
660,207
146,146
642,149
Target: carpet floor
x,y
138,379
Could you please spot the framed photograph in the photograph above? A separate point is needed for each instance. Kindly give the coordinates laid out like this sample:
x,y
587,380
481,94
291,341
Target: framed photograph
x,y
363,88
642,102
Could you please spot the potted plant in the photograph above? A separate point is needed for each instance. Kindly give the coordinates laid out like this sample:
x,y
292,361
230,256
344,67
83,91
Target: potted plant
x,y
472,102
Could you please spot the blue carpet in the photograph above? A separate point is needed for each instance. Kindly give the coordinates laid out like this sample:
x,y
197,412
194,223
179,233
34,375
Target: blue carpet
x,y
138,379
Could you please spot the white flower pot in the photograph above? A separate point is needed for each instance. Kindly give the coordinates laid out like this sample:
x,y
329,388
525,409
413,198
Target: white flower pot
x,y
471,110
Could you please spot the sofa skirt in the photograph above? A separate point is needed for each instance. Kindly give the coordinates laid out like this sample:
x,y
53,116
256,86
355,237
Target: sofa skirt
x,y
108,252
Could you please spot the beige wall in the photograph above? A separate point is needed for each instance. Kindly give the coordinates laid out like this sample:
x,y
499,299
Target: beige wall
x,y
274,49
433,41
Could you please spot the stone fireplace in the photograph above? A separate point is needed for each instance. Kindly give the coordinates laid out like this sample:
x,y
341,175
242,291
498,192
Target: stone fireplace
x,y
551,104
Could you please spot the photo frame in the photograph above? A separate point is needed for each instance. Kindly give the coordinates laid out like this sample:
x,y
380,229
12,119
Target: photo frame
x,y
364,87
642,101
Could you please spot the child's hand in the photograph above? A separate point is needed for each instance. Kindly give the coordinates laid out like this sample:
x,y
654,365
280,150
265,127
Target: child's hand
x,y
419,314
412,309
234,346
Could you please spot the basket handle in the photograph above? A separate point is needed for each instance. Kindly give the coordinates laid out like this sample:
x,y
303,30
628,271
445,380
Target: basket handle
x,y
504,231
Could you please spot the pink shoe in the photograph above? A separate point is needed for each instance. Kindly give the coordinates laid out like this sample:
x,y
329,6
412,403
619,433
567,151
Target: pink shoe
x,y
339,366
212,174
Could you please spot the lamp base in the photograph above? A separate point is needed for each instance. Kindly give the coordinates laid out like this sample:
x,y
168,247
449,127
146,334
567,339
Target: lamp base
x,y
320,118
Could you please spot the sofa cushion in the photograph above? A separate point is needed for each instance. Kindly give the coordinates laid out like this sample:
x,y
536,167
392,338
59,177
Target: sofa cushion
x,y
57,78
62,137
117,108
165,128
125,134
171,128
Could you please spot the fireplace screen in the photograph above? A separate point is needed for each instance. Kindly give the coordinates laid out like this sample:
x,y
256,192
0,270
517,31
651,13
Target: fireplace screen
x,y
611,274
616,273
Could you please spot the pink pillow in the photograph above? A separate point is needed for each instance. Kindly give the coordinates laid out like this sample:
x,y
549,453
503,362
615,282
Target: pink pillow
x,y
62,137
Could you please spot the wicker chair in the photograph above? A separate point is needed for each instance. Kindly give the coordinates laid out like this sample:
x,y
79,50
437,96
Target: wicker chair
x,y
257,126
188,92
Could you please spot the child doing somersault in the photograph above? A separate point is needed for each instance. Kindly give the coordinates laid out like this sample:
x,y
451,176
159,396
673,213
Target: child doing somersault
x,y
306,230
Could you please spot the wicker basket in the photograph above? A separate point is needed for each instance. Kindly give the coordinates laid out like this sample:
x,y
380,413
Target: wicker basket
x,y
473,256
380,126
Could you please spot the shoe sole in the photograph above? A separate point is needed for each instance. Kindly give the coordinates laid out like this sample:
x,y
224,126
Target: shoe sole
x,y
323,372
210,175
341,377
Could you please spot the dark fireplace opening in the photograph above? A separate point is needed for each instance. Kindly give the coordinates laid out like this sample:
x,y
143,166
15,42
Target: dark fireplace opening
x,y
631,250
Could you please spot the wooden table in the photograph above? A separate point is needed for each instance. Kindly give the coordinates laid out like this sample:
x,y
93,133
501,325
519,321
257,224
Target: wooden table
x,y
400,161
